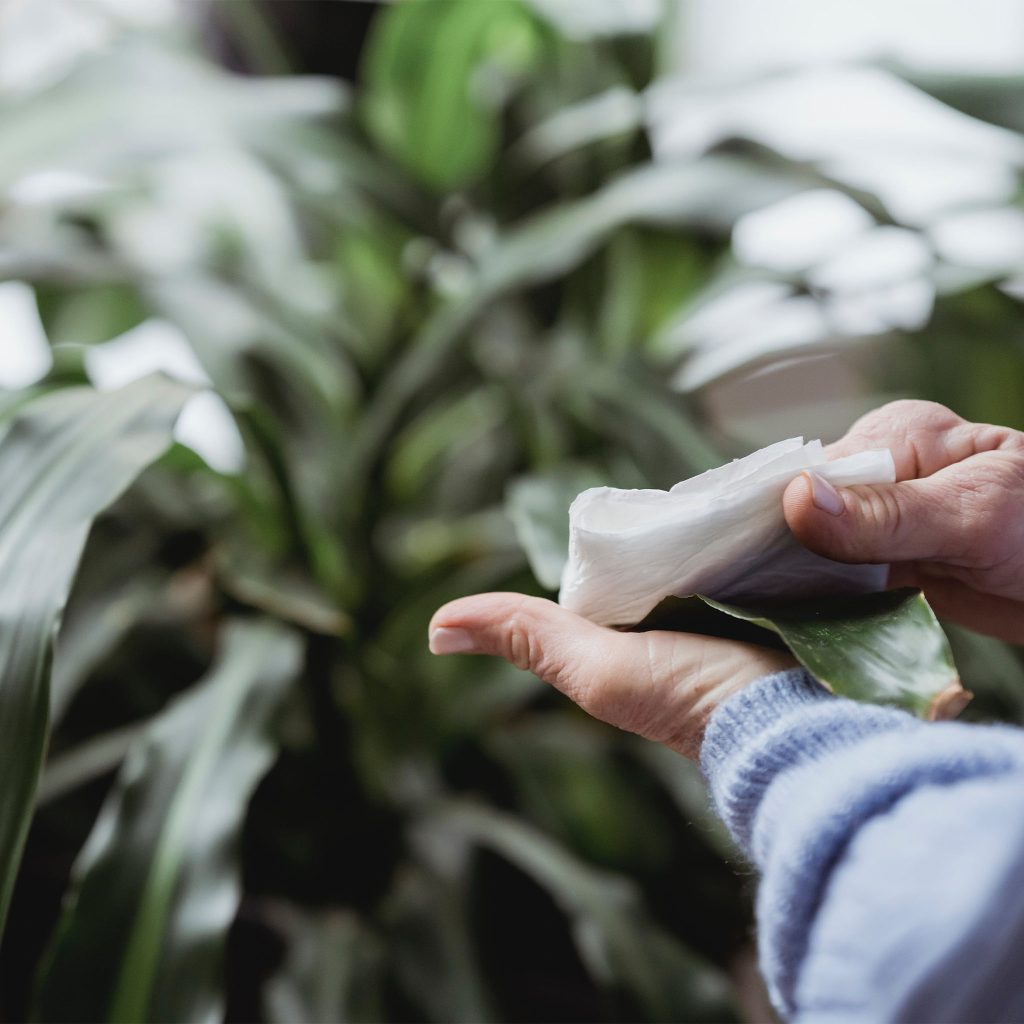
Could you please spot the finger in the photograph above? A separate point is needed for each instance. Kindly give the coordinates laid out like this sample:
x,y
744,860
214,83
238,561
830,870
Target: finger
x,y
924,437
908,521
913,431
1000,617
571,653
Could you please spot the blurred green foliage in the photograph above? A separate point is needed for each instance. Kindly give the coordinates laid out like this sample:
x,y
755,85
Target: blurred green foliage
x,y
451,286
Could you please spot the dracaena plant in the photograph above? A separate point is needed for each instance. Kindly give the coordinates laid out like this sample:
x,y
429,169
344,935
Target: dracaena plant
x,y
438,305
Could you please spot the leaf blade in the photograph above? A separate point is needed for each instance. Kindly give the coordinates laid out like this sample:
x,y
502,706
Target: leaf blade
x,y
63,460
885,648
156,879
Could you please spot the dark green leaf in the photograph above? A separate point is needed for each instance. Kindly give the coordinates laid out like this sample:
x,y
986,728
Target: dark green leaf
x,y
98,619
283,591
156,886
436,959
64,458
709,193
617,938
333,970
886,647
87,762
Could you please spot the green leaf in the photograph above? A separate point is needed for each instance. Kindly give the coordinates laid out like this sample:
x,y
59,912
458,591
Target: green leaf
x,y
88,315
994,98
439,434
570,782
617,111
436,960
333,970
87,762
538,505
887,648
89,121
281,590
112,594
62,461
157,884
711,193
440,118
684,783
993,671
618,939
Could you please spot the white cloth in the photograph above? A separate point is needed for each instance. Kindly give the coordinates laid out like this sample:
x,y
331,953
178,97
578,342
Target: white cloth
x,y
721,534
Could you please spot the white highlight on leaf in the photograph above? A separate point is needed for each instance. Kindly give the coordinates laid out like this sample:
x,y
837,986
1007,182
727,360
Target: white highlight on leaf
x,y
24,351
43,188
876,259
864,126
784,324
796,233
208,428
990,240
721,534
583,19
879,283
157,346
904,306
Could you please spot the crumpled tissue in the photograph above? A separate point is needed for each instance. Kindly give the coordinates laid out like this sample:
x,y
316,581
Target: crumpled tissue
x,y
721,534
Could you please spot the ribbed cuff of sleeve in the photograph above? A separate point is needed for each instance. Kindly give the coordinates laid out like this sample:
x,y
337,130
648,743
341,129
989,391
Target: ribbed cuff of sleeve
x,y
748,713
778,723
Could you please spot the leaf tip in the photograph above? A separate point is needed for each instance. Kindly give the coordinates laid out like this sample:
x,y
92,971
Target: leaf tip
x,y
948,703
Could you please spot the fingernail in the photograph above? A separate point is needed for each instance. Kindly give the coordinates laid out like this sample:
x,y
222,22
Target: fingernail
x,y
824,495
452,641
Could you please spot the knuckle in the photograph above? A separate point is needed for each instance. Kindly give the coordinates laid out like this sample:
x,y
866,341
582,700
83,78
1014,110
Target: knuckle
x,y
518,643
906,416
880,510
522,646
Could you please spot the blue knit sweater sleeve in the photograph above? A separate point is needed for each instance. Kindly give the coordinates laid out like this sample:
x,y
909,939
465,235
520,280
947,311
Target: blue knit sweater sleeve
x,y
891,854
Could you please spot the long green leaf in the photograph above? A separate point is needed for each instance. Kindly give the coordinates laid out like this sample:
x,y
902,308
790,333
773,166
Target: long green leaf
x,y
887,647
436,117
618,940
710,193
333,970
157,883
63,460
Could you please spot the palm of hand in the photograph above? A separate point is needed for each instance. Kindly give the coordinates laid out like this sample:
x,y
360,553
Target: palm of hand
x,y
660,685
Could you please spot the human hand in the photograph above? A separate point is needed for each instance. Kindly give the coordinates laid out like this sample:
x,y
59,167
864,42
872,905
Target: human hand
x,y
660,685
952,524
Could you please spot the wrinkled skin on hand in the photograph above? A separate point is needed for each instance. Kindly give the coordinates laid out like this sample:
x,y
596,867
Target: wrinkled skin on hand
x,y
660,685
952,524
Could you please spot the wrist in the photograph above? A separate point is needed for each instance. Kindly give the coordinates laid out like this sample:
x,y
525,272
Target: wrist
x,y
736,667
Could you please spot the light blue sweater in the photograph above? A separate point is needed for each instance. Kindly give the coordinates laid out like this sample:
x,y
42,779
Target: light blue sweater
x,y
891,852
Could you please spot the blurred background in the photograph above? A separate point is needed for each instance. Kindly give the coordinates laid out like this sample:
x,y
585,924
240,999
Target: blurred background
x,y
430,268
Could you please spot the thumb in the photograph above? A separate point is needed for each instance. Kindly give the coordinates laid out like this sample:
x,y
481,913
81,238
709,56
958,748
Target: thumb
x,y
571,653
661,685
901,522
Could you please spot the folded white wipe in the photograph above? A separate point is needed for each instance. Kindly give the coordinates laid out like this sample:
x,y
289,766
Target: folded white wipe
x,y
721,534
